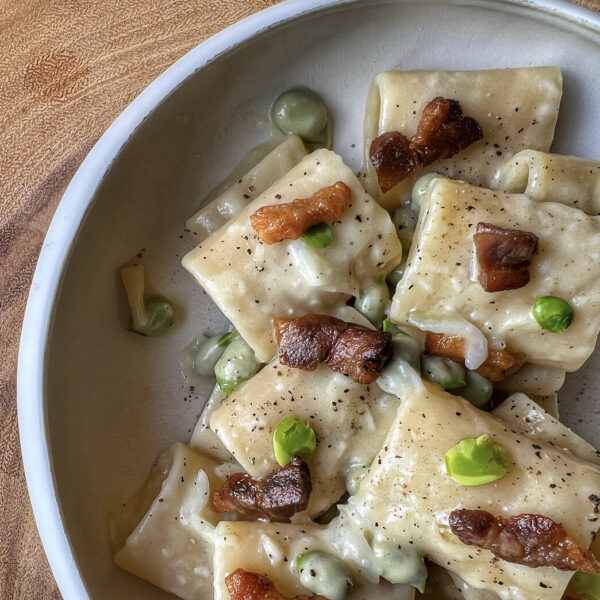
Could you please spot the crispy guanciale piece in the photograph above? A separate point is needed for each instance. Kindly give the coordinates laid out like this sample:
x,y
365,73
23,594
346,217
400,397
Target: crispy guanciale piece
x,y
443,131
347,348
498,365
245,585
527,539
288,221
504,256
278,495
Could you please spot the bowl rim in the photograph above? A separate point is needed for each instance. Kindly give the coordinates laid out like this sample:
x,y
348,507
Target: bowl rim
x,y
69,216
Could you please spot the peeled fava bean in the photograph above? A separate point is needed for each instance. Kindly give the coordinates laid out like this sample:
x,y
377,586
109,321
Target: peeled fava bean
x,y
405,220
324,574
443,371
294,437
373,302
396,274
354,476
149,316
210,351
237,364
477,390
420,189
400,565
585,585
318,236
301,112
477,461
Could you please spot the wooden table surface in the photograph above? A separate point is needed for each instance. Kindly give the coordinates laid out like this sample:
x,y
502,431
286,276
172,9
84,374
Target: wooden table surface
x,y
67,69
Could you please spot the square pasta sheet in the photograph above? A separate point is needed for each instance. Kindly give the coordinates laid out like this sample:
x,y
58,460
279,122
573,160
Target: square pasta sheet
x,y
252,283
553,178
441,271
408,495
271,549
350,421
170,541
516,109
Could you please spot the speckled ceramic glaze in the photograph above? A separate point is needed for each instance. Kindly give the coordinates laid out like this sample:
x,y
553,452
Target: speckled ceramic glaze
x,y
97,403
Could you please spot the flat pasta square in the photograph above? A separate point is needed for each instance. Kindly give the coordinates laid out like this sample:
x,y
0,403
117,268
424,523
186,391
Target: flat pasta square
x,y
271,549
408,495
242,191
525,414
252,283
516,109
441,271
547,177
172,545
350,421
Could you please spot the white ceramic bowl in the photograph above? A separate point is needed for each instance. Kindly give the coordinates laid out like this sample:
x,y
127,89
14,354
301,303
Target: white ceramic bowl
x,y
96,403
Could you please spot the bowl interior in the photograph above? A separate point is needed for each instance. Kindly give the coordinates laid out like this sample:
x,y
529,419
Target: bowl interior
x,y
115,400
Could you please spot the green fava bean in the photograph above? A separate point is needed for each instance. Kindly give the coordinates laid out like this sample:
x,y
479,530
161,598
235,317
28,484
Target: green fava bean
x,y
477,461
396,274
294,437
210,351
398,565
373,302
324,574
405,220
478,390
443,371
391,327
354,476
420,189
300,112
237,364
553,314
149,316
318,236
406,348
160,316
586,585
329,515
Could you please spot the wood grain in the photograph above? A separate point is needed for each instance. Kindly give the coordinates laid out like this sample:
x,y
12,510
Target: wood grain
x,y
67,69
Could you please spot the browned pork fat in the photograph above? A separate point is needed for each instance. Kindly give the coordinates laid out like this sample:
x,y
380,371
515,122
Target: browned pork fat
x,y
347,348
278,495
498,365
288,221
443,131
245,585
504,256
527,539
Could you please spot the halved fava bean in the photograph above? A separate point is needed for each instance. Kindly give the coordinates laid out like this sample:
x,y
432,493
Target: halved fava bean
x,y
405,220
396,274
477,461
318,236
443,371
210,351
420,189
324,574
374,301
237,364
477,390
584,585
149,316
400,564
294,437
354,476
